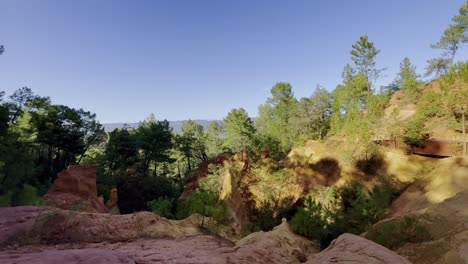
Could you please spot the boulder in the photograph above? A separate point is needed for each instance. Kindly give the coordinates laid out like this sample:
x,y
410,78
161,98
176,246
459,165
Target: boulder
x,y
280,245
75,189
349,248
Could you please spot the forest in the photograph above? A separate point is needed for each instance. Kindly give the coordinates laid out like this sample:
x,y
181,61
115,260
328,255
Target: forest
x,y
149,165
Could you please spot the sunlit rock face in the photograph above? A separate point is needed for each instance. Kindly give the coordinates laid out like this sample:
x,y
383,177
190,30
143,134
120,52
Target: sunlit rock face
x,y
65,237
448,224
349,248
75,189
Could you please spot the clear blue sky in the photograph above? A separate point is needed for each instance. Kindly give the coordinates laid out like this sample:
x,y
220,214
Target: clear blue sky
x,y
199,59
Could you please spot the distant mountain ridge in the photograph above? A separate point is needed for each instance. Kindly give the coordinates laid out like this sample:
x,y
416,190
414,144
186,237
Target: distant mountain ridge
x,y
176,125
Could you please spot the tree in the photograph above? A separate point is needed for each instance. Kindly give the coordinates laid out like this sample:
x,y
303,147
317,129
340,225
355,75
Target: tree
x,y
214,139
407,78
462,17
155,139
455,88
363,55
18,99
121,151
451,40
239,130
274,115
312,116
192,143
438,66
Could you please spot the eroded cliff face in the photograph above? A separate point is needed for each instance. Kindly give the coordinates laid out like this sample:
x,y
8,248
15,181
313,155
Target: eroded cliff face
x,y
75,189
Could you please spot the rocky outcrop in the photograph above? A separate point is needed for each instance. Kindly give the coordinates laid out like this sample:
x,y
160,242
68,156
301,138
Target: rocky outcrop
x,y
75,189
448,224
69,256
280,245
153,240
349,248
112,203
191,183
23,225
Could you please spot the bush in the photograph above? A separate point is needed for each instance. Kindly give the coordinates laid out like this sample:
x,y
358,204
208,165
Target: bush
x,y
321,218
5,199
28,195
205,203
328,212
163,207
135,191
394,234
249,228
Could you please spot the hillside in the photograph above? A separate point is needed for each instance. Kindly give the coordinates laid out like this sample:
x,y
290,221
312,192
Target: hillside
x,y
175,125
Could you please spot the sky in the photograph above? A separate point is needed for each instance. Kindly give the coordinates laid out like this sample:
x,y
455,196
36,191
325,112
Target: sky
x,y
124,60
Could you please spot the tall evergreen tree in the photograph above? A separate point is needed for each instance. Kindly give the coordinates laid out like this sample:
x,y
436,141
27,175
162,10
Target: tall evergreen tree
x,y
239,129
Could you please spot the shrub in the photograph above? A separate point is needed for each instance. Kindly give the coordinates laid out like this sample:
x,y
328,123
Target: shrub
x,y
5,199
328,212
205,203
321,218
163,207
248,228
394,234
28,195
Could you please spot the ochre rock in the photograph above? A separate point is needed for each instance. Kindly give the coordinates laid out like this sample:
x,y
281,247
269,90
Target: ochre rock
x,y
448,224
75,189
55,226
349,248
69,237
68,256
280,245
112,203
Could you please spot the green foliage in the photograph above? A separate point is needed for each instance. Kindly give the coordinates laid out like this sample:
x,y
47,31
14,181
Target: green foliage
x,y
163,207
137,189
395,233
205,203
430,105
407,79
274,116
155,141
248,228
311,118
214,140
363,55
121,151
437,66
5,199
328,212
321,218
451,40
239,130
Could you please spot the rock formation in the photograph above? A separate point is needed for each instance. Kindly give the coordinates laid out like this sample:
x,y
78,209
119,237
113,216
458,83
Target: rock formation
x,y
75,189
136,238
448,224
112,203
68,256
55,226
349,248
